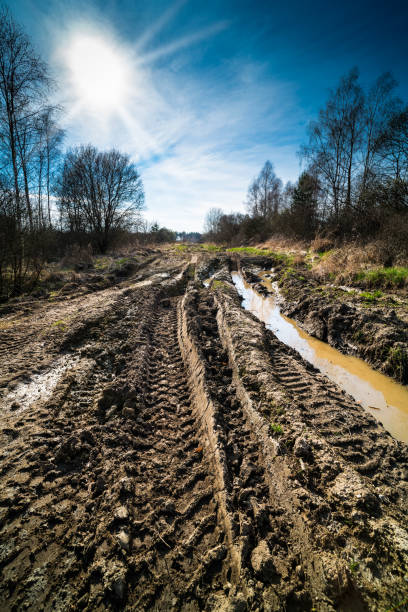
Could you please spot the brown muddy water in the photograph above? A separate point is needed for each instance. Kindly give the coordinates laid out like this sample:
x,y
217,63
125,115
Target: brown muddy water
x,y
381,396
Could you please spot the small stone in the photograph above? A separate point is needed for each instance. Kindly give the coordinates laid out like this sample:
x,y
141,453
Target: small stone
x,y
121,513
299,572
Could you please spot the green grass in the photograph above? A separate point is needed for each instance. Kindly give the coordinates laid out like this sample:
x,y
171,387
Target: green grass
x,y
53,294
123,260
101,263
392,278
194,247
217,284
278,257
212,248
255,251
276,428
325,254
353,566
359,336
61,324
371,297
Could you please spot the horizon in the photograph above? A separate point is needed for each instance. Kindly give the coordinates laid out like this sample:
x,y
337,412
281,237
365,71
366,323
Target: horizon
x,y
200,100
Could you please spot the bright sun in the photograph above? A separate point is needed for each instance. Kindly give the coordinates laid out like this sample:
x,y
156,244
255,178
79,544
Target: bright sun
x,y
99,73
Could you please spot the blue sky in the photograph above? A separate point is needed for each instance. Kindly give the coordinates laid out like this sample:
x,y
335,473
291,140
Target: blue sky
x,y
202,93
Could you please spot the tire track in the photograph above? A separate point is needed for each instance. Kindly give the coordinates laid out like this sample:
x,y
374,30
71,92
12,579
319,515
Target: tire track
x,y
177,505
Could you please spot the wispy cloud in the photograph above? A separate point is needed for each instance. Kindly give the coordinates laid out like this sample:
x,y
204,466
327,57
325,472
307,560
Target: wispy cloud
x,y
159,24
185,41
197,138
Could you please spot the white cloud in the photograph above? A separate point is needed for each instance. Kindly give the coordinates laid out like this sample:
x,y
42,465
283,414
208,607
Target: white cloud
x,y
198,139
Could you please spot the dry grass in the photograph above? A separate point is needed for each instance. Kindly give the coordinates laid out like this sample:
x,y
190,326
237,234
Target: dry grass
x,y
284,244
322,244
358,265
299,259
77,256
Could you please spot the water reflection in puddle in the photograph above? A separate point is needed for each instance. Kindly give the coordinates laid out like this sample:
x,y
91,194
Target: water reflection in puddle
x,y
385,399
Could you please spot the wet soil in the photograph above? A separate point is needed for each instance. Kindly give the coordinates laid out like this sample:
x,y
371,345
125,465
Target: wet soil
x,y
162,450
379,394
374,329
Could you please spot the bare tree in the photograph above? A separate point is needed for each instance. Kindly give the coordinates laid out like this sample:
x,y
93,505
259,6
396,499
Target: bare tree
x,y
392,146
212,221
24,82
334,140
264,193
253,199
380,106
99,192
24,85
47,154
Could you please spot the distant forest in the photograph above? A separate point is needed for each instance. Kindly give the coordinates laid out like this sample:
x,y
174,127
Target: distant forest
x,y
355,182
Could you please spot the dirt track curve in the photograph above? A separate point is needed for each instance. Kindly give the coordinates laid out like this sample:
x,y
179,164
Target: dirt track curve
x,y
161,450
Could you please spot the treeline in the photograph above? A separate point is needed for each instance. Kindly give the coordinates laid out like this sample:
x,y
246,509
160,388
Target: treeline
x,y
51,202
355,182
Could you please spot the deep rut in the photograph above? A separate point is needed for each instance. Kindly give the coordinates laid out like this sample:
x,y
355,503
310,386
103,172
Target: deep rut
x,y
357,440
179,541
265,544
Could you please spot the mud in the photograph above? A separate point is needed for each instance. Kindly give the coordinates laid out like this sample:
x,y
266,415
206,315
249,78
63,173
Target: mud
x,y
187,460
376,332
379,394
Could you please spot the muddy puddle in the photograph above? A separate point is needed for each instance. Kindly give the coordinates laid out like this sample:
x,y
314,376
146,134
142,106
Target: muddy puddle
x,y
384,398
39,386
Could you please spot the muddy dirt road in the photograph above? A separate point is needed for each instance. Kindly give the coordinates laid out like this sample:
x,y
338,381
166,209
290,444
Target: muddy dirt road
x,y
162,450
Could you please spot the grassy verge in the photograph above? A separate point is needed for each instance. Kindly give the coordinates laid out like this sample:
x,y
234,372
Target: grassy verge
x,y
279,258
387,278
194,248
